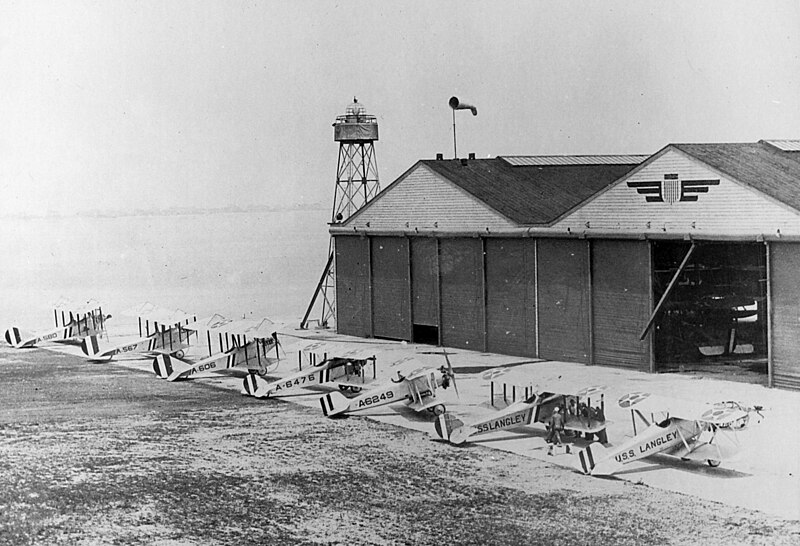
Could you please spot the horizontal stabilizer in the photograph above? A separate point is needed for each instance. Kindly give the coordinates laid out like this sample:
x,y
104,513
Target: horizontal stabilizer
x,y
334,403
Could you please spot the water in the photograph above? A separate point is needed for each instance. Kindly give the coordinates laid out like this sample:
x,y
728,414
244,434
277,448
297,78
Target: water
x,y
242,264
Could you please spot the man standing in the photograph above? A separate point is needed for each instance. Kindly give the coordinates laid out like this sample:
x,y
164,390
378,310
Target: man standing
x,y
556,427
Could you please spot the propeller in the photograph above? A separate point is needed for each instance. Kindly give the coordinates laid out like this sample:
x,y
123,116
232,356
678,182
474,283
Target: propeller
x,y
449,371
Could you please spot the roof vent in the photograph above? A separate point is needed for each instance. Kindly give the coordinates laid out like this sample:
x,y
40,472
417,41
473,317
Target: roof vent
x,y
439,157
472,155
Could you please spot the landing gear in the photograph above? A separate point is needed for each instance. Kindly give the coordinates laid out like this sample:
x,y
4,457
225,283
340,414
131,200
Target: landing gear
x,y
351,388
179,354
438,409
713,463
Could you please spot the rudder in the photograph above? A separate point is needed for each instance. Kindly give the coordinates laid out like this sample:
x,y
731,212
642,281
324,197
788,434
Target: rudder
x,y
590,456
90,346
13,337
445,425
334,403
250,385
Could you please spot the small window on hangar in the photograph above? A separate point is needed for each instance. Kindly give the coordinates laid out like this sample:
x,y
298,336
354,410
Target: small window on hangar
x,y
713,318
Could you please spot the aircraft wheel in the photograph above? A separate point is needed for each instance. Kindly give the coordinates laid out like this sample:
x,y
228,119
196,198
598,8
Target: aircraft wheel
x,y
344,388
439,409
713,463
179,354
355,389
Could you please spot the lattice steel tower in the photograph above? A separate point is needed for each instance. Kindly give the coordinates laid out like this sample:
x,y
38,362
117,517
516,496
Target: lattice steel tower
x,y
356,184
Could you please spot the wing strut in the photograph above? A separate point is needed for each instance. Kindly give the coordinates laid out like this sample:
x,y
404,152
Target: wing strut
x,y
667,292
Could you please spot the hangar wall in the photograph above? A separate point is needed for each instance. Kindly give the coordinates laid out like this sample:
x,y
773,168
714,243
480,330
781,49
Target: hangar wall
x,y
621,302
353,290
783,268
558,299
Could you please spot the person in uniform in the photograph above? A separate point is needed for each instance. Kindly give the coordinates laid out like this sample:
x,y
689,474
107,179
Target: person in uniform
x,y
555,428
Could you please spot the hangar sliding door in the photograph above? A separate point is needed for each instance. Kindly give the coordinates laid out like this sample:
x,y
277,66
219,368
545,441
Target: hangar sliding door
x,y
621,303
461,269
390,288
784,266
563,299
511,296
425,290
352,286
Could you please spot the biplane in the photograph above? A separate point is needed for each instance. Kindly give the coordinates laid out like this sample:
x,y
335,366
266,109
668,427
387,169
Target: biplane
x,y
248,345
346,370
580,416
680,428
169,336
72,323
418,389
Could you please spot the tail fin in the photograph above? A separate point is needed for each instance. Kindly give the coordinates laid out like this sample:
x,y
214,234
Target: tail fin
x,y
446,424
334,403
90,346
13,337
165,366
590,456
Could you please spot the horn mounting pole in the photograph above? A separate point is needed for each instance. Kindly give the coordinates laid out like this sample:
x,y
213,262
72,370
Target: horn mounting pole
x,y
455,148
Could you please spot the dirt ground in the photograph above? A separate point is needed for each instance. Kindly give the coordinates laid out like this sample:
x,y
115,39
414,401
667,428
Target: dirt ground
x,y
104,454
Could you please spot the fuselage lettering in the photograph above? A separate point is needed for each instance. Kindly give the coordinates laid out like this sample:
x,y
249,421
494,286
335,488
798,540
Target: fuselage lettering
x,y
504,422
375,398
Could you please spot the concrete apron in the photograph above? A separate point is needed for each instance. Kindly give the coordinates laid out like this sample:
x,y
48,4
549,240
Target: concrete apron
x,y
764,475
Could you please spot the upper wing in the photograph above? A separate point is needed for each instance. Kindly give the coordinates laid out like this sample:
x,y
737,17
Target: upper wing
x,y
717,414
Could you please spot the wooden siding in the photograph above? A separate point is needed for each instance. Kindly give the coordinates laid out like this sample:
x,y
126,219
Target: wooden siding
x,y
511,296
729,207
461,270
785,286
563,299
424,200
424,281
620,303
390,288
352,286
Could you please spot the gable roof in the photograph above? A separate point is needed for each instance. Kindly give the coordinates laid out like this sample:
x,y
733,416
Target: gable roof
x,y
530,194
761,165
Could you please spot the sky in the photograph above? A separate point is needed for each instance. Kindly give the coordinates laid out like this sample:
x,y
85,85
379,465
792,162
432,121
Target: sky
x,y
148,105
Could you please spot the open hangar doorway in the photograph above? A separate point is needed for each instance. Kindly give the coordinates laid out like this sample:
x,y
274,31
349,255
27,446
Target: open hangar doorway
x,y
710,315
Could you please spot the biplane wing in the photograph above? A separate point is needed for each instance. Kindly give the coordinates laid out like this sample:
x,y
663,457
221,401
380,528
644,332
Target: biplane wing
x,y
346,368
253,355
536,408
249,344
683,429
418,388
644,403
76,322
171,341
